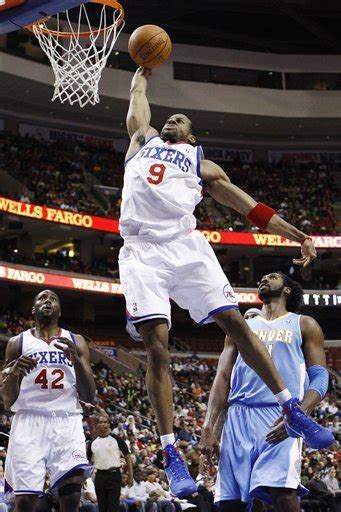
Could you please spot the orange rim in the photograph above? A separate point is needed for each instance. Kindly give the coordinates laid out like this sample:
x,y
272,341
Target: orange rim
x,y
109,3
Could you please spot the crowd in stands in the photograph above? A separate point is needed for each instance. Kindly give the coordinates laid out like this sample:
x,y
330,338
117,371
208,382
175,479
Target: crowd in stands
x,y
51,172
14,322
55,174
302,194
60,260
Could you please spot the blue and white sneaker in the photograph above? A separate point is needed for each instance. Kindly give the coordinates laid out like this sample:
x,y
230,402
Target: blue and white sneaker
x,y
298,424
181,484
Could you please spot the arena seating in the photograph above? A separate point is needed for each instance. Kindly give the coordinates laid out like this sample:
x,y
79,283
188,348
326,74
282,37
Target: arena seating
x,y
56,175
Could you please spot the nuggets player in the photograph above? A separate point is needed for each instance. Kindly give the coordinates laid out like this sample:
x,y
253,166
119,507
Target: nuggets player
x,y
47,372
163,256
257,459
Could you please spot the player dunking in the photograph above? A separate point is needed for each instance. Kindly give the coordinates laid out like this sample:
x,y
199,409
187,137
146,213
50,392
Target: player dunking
x,y
257,459
47,372
163,256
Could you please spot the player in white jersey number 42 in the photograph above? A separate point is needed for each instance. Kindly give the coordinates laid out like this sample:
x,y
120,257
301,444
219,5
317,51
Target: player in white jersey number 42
x,y
47,371
163,256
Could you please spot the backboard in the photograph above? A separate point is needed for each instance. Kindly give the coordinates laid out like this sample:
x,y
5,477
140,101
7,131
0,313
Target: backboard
x,y
16,14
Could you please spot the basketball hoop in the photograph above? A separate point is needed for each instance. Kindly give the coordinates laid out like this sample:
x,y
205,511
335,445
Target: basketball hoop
x,y
79,56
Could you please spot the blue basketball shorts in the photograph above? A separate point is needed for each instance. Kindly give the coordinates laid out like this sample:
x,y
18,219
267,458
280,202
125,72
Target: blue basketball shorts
x,y
248,465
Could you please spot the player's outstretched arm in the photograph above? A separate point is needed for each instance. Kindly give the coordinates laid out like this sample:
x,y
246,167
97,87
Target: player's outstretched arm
x,y
217,401
222,190
16,367
80,357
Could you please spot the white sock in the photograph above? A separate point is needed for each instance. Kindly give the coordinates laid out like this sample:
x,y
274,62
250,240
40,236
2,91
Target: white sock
x,y
283,396
167,439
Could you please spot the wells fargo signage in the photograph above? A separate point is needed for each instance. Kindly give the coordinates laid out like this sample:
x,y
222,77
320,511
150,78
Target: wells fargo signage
x,y
263,239
83,220
42,277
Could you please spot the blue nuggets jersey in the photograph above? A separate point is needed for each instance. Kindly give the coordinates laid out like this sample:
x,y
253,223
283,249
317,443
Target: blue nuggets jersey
x,y
283,339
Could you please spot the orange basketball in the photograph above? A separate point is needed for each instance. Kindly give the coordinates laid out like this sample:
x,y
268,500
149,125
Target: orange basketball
x,y
149,46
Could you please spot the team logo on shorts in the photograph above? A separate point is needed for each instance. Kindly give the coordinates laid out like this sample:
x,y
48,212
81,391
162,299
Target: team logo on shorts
x,y
229,294
79,455
134,307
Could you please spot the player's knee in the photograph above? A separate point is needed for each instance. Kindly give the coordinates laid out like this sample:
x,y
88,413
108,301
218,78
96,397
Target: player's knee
x,y
25,502
232,322
156,329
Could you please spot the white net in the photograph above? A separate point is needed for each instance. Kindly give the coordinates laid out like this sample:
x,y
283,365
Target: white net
x,y
78,59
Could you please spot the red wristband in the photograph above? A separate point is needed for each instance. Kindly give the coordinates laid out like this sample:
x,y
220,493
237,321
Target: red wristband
x,y
260,215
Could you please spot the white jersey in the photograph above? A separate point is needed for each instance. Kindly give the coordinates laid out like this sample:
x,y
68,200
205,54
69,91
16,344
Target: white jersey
x,y
51,385
162,186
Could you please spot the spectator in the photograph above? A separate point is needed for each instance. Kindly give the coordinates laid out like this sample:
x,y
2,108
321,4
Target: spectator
x,y
184,433
319,491
137,493
129,425
120,431
88,497
332,484
158,499
332,409
206,489
3,506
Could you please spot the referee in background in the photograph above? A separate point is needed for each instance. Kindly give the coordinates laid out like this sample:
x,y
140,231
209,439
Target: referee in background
x,y
105,453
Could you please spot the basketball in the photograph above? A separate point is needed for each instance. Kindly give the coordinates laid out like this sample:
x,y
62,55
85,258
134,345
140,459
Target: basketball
x,y
149,46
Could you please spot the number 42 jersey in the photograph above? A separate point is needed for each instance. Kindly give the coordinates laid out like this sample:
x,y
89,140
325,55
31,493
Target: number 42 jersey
x,y
51,386
162,186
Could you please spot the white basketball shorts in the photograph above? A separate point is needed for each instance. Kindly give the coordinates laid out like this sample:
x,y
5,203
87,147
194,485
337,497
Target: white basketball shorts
x,y
40,444
184,269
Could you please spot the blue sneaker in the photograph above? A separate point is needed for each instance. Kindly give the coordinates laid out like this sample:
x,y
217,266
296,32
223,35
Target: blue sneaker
x,y
181,483
298,424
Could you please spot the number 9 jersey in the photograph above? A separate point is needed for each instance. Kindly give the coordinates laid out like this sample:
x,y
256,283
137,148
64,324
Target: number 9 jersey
x,y
51,385
162,186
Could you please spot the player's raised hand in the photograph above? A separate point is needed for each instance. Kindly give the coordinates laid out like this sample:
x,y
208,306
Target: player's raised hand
x,y
308,253
20,367
278,432
145,72
68,347
141,77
